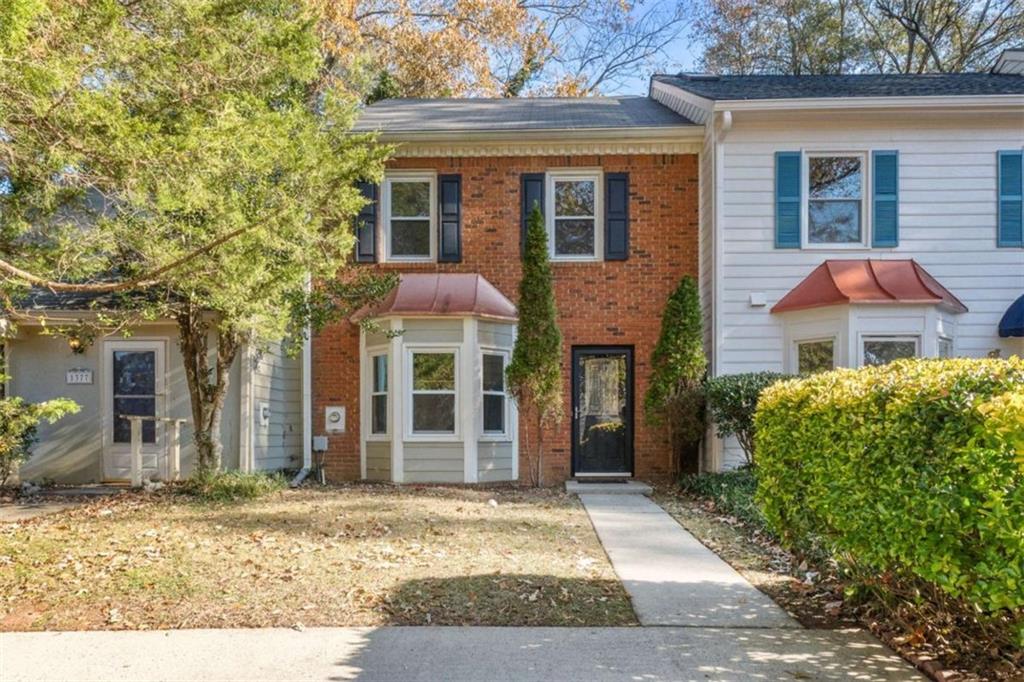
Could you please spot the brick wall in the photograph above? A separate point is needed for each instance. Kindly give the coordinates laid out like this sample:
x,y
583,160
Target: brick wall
x,y
603,303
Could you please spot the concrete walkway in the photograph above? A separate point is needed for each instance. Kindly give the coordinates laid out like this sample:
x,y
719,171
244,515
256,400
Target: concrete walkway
x,y
670,576
444,653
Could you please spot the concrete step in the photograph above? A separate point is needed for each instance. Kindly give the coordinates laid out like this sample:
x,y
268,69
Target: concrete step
x,y
576,487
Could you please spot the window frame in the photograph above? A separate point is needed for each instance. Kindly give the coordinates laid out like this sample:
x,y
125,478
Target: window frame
x,y
864,338
371,355
429,177
942,338
505,435
575,175
408,391
813,339
805,198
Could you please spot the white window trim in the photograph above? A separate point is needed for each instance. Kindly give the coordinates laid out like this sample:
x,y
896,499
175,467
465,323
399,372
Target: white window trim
x,y
597,177
446,436
408,176
813,339
504,436
864,338
372,353
805,201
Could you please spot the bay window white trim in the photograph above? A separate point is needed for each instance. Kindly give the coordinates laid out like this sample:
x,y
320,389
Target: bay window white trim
x,y
369,385
429,177
581,175
407,396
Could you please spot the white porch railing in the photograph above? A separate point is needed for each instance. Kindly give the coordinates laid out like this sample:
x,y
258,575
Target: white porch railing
x,y
170,467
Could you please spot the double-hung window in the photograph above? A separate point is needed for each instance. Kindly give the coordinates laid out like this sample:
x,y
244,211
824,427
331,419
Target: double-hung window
x,y
495,398
410,216
379,394
574,204
835,200
433,400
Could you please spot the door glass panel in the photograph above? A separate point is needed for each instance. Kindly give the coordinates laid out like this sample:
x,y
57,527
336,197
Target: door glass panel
x,y
134,393
602,413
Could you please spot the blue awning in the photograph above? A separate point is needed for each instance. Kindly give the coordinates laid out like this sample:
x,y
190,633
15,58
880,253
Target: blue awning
x,y
1012,323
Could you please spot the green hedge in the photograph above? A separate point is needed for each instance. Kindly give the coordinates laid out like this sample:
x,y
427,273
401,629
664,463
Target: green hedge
x,y
916,467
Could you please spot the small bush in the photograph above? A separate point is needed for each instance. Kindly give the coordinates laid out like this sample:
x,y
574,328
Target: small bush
x,y
732,399
230,486
18,423
915,468
731,491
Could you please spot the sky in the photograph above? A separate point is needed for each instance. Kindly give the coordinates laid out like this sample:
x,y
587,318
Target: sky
x,y
682,56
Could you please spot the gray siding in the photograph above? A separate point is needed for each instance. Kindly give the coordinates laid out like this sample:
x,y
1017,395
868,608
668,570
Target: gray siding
x,y
433,462
378,460
434,330
277,381
494,461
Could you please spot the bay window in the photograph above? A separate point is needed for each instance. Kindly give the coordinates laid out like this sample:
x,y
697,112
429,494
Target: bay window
x,y
494,395
881,350
379,394
433,396
815,356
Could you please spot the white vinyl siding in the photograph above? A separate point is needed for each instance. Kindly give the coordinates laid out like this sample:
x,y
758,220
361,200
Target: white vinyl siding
x,y
277,382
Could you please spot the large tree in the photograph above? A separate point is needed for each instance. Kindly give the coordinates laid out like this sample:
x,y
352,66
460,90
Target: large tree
x,y
190,153
852,36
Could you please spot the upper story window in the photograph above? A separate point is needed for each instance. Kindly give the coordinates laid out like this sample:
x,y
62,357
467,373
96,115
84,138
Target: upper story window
x,y
574,204
410,216
835,199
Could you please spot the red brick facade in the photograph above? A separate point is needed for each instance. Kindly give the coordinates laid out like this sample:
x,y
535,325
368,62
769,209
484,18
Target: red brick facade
x,y
599,303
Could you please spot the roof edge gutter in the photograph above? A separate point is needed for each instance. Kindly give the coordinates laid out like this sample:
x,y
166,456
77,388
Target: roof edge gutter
x,y
987,102
651,133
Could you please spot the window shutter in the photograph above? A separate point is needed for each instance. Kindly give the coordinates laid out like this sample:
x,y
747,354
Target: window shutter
x,y
449,238
532,192
366,224
885,199
787,200
616,216
1011,198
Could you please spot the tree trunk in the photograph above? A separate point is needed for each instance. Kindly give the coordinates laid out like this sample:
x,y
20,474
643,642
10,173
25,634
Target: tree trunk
x,y
207,387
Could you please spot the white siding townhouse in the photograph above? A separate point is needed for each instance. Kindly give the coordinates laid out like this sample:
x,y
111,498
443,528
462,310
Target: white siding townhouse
x,y
849,220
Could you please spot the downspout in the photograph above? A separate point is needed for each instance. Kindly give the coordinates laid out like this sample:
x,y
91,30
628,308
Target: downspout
x,y
307,402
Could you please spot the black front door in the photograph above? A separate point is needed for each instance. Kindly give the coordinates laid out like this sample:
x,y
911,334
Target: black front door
x,y
602,410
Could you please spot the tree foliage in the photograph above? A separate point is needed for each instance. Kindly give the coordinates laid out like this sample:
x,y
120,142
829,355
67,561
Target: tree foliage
x,y
535,372
853,36
140,137
732,402
675,393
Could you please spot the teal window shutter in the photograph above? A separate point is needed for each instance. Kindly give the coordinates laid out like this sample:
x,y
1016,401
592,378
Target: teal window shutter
x,y
885,201
1011,198
787,200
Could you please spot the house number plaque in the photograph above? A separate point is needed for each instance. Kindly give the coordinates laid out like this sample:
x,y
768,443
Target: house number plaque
x,y
79,376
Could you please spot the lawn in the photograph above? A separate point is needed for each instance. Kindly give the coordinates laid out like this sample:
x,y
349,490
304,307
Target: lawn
x,y
354,555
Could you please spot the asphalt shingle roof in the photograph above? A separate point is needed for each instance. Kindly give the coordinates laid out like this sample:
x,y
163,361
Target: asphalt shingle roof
x,y
754,87
516,114
38,298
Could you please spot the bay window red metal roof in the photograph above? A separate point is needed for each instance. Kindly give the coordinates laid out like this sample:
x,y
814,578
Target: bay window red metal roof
x,y
838,282
443,294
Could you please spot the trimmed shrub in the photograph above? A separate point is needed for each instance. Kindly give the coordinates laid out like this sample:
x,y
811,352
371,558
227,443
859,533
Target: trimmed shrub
x,y
18,423
731,491
915,468
731,401
232,486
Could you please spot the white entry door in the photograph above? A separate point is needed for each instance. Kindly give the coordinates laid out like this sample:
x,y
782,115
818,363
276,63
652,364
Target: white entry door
x,y
133,385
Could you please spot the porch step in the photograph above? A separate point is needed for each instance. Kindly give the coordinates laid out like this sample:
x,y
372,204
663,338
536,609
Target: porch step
x,y
575,487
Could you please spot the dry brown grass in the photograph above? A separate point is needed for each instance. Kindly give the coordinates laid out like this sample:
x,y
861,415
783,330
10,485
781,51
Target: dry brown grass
x,y
355,555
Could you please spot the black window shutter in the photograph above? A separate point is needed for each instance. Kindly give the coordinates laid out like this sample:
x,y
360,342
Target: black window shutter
x,y
616,216
449,236
532,193
366,224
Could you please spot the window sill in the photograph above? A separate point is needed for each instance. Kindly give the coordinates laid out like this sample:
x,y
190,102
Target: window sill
x,y
432,438
378,438
580,259
495,438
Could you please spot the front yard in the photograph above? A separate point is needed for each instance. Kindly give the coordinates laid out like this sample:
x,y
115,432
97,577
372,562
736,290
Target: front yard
x,y
355,555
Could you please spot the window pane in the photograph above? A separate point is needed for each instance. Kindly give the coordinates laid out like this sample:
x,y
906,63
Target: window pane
x,y
815,356
433,371
881,351
134,372
835,177
574,237
410,238
574,197
379,414
380,373
134,406
945,348
494,413
494,373
833,222
410,199
433,412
